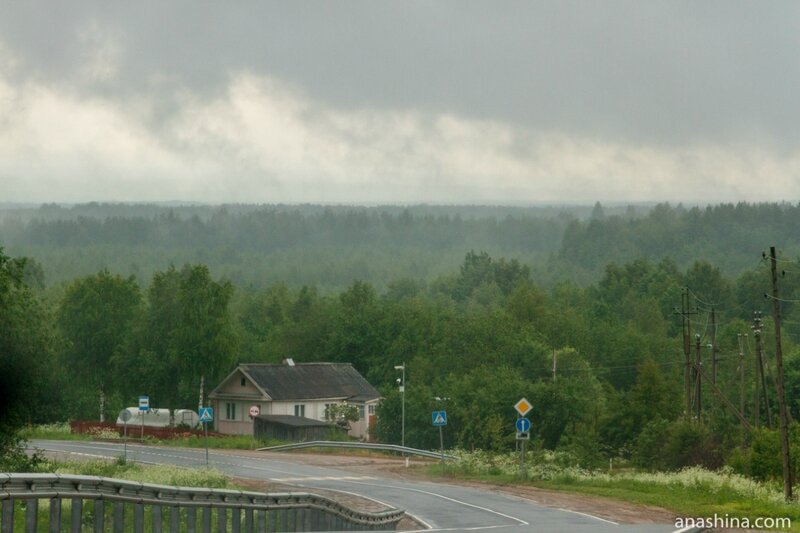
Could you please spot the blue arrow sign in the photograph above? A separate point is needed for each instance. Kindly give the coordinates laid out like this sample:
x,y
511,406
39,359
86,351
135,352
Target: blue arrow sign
x,y
206,414
523,425
439,418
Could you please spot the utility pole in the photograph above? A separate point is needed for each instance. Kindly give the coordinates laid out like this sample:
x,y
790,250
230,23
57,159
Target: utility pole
x,y
761,375
713,346
200,402
741,377
697,383
784,417
687,332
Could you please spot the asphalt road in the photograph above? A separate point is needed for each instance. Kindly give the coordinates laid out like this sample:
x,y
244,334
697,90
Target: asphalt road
x,y
442,507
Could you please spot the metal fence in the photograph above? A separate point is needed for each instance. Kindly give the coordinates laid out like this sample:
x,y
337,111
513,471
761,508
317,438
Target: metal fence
x,y
90,503
394,448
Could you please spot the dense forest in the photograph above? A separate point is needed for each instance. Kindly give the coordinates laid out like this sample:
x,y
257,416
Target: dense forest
x,y
330,246
578,315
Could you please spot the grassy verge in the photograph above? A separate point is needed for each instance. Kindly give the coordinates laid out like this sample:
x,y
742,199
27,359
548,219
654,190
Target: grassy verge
x,y
62,432
52,432
692,492
119,469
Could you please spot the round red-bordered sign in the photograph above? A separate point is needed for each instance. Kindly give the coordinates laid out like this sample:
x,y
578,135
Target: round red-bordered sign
x,y
254,410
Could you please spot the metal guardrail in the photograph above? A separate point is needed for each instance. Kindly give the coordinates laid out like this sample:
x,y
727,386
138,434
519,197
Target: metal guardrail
x,y
356,446
102,504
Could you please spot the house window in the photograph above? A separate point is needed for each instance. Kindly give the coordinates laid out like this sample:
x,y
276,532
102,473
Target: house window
x,y
230,411
360,412
299,410
371,409
242,382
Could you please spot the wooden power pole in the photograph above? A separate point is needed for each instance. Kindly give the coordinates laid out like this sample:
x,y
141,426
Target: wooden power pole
x,y
713,346
686,325
784,414
741,378
761,377
697,383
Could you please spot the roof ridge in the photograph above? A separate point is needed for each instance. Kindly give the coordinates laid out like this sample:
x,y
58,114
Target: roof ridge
x,y
310,363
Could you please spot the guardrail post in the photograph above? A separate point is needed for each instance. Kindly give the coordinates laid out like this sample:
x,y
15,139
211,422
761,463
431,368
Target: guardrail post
x,y
76,512
157,518
191,520
31,515
206,520
262,521
222,519
8,515
119,517
236,520
98,510
248,521
175,519
138,518
55,515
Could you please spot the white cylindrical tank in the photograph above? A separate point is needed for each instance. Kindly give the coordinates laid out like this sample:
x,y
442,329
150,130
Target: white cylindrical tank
x,y
186,417
155,417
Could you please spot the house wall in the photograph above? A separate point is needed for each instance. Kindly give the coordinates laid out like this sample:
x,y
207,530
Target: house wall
x,y
242,424
234,386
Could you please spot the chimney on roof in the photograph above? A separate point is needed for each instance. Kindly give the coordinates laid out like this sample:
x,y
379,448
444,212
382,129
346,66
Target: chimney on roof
x,y
288,361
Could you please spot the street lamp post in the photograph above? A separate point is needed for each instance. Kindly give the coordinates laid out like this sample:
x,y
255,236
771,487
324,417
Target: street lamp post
x,y
401,381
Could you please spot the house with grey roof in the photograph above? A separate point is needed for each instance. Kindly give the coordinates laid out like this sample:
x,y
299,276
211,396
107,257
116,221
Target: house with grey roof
x,y
296,389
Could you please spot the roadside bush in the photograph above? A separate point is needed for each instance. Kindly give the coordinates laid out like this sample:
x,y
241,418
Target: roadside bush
x,y
648,448
674,445
691,444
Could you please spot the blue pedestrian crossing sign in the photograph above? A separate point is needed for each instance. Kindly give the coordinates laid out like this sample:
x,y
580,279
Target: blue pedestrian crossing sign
x,y
206,414
523,425
439,418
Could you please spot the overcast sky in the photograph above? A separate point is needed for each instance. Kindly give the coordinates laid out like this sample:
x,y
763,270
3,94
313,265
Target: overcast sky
x,y
400,102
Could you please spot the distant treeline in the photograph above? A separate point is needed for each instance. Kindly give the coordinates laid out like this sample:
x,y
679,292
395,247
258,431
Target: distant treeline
x,y
330,246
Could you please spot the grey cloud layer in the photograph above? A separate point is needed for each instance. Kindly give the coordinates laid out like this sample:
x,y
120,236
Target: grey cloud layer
x,y
404,101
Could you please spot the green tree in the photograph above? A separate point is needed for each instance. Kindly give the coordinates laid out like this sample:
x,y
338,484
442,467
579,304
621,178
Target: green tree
x,y
95,317
27,387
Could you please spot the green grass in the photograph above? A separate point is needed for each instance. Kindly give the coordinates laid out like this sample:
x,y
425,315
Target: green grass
x,y
231,442
158,474
692,492
119,469
62,432
51,432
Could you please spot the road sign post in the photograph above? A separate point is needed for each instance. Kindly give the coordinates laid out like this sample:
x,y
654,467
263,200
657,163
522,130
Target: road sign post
x,y
439,419
523,427
125,415
144,406
206,416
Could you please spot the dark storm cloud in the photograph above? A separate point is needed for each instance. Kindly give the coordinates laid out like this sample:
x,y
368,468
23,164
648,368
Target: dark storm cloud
x,y
664,72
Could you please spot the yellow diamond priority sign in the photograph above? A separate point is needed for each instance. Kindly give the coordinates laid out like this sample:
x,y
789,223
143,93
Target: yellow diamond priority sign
x,y
523,407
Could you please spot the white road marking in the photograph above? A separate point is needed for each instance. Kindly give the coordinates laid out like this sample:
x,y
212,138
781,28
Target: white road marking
x,y
589,515
359,480
322,478
477,528
442,496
